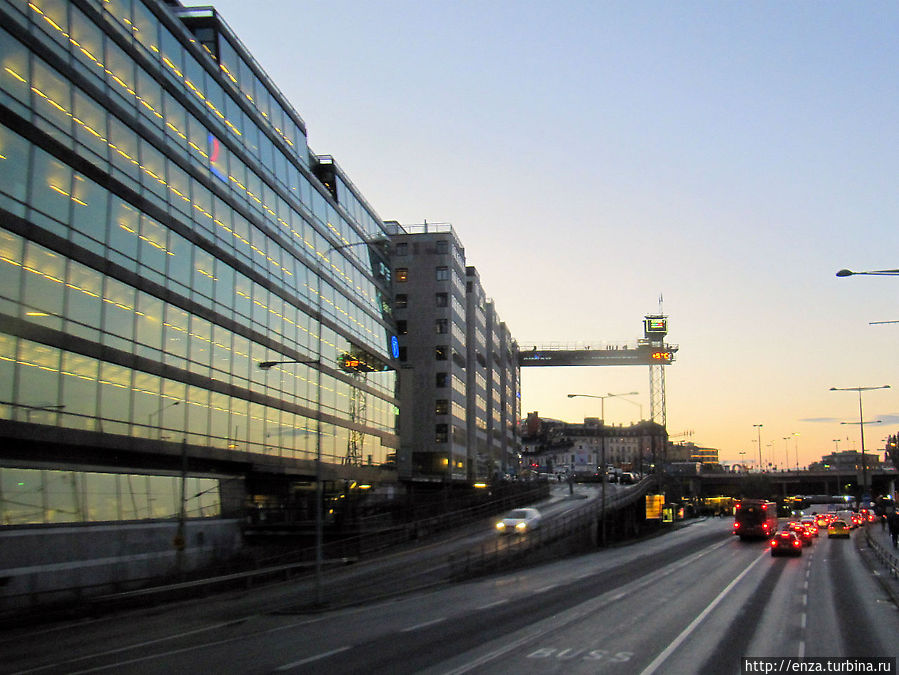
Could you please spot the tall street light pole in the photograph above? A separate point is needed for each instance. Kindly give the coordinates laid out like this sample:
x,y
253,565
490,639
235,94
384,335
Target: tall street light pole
x,y
861,418
880,273
759,429
321,259
602,460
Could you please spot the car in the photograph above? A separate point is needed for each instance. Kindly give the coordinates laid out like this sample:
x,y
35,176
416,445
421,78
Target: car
x,y
838,528
809,523
847,517
785,542
802,532
822,520
519,521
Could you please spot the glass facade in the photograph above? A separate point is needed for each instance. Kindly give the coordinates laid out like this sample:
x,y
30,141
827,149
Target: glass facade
x,y
164,229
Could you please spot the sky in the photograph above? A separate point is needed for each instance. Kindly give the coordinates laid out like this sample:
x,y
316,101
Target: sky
x,y
594,157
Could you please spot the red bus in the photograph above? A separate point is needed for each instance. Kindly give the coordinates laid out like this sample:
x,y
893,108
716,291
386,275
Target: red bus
x,y
755,518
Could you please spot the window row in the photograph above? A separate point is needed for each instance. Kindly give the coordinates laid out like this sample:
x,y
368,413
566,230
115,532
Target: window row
x,y
72,34
46,385
76,208
401,301
68,113
43,288
45,496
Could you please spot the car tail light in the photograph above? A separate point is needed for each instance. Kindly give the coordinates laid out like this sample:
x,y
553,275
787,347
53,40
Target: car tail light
x,y
797,543
774,543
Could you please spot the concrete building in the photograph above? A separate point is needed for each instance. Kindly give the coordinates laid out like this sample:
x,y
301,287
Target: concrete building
x,y
561,447
164,230
458,363
849,460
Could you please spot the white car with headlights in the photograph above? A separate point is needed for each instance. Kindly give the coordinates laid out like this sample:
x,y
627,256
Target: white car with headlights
x,y
519,520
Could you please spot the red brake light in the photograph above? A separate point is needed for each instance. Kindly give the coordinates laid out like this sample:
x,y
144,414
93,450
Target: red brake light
x,y
797,543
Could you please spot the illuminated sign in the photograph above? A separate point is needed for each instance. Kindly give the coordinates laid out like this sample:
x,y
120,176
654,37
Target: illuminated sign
x,y
641,355
218,162
654,505
394,346
655,326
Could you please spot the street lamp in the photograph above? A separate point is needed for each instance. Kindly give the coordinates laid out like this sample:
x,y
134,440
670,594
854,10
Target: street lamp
x,y
603,450
759,429
164,406
861,422
265,365
882,273
320,259
796,448
603,401
786,440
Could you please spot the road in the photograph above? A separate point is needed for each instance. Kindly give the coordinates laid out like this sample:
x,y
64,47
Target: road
x,y
695,600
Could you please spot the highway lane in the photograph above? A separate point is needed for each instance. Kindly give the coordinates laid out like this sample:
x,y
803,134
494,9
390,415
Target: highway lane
x,y
691,601
119,635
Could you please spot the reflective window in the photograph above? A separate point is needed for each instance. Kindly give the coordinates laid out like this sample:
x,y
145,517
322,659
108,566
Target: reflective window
x,y
84,291
44,288
37,384
52,99
51,192
14,170
14,76
90,131
88,214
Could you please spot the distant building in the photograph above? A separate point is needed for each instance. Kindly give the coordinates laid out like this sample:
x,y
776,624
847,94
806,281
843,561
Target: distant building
x,y
849,460
561,447
459,382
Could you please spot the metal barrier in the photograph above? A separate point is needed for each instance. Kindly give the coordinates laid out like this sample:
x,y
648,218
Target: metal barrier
x,y
573,531
886,558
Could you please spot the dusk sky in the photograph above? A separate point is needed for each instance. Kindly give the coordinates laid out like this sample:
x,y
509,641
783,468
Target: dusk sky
x,y
594,156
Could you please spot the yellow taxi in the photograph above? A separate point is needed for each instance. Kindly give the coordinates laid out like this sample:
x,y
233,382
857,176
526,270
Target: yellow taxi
x,y
838,528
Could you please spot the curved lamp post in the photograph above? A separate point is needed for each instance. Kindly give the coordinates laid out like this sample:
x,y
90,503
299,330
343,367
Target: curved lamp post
x,y
881,273
321,259
861,425
759,429
602,399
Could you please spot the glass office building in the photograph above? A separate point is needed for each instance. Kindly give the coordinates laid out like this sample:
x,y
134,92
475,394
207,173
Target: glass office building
x,y
164,230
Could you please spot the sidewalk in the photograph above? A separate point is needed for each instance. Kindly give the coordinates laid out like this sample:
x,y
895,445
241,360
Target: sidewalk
x,y
880,556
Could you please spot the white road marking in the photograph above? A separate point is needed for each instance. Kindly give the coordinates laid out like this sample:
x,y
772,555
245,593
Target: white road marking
x,y
546,588
652,667
409,629
129,647
494,604
323,655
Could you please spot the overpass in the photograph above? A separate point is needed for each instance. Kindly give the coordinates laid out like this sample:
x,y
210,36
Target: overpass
x,y
783,483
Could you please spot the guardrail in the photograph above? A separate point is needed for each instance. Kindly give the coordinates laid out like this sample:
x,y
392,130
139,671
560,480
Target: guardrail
x,y
886,558
571,532
264,569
